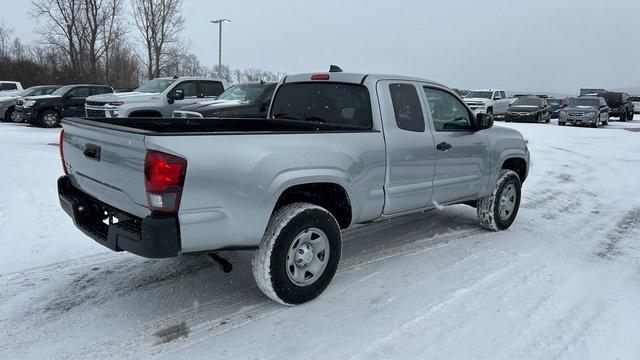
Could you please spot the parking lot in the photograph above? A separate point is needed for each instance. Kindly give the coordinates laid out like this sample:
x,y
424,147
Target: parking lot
x,y
561,282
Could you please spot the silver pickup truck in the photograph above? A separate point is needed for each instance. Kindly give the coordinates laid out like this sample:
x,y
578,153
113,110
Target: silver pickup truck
x,y
337,149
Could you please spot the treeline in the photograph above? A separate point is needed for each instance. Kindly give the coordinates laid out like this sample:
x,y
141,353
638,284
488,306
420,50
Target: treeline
x,y
114,42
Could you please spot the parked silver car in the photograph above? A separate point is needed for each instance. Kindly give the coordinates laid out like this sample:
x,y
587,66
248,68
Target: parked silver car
x,y
586,111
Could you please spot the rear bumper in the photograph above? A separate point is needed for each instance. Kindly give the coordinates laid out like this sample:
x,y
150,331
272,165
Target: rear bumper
x,y
150,237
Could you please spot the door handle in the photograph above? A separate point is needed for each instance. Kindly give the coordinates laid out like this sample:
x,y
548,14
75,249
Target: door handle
x,y
444,146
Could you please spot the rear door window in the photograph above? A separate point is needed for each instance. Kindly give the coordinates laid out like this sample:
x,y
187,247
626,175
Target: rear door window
x,y
324,102
79,92
503,94
407,107
211,88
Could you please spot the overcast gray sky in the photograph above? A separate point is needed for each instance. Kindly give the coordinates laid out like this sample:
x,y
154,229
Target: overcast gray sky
x,y
552,45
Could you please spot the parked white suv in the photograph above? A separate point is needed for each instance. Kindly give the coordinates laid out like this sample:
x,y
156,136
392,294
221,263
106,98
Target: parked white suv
x,y
10,88
157,98
488,101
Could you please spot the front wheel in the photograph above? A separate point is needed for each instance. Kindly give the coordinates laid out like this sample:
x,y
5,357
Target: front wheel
x,y
298,255
8,116
498,210
49,119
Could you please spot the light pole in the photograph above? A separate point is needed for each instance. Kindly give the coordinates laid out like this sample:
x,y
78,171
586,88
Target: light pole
x,y
219,22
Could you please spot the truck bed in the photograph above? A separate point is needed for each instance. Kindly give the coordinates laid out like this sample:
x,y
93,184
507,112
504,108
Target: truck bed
x,y
211,126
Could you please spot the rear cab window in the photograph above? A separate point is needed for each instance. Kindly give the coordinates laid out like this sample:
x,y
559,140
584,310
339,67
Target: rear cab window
x,y
334,103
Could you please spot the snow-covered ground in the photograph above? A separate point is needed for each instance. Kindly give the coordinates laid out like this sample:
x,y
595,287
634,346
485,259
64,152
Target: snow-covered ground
x,y
563,282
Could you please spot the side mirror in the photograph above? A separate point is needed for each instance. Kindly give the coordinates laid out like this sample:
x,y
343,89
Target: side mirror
x,y
484,121
177,94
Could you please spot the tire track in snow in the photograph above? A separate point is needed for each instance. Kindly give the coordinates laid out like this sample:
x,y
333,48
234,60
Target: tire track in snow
x,y
210,319
625,229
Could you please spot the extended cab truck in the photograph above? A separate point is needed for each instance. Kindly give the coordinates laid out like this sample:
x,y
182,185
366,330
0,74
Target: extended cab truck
x,y
489,101
249,100
48,110
337,149
157,98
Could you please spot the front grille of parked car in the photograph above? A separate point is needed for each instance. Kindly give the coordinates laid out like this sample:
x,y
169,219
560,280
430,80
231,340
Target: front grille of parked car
x,y
576,113
20,102
96,103
95,113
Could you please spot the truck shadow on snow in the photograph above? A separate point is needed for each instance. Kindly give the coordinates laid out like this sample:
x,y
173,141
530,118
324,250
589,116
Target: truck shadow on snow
x,y
136,285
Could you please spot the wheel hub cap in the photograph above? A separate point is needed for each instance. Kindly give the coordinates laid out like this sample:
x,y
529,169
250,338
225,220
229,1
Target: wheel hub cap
x,y
307,257
507,202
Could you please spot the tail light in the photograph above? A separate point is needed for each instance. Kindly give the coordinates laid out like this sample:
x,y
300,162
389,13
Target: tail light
x,y
60,145
163,179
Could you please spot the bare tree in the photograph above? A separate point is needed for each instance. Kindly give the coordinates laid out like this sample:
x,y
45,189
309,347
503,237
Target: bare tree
x,y
59,27
159,23
5,35
98,28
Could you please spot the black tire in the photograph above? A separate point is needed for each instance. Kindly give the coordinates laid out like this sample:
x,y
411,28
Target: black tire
x,y
560,123
44,119
7,115
623,117
269,264
549,118
489,207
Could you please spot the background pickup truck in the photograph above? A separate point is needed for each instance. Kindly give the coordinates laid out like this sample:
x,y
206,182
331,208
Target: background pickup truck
x,y
489,101
157,98
337,149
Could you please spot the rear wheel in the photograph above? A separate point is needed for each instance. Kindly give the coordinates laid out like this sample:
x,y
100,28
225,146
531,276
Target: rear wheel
x,y
298,255
560,123
49,119
498,210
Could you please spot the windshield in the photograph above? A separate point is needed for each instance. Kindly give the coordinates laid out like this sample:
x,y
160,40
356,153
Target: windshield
x,y
584,102
63,90
243,92
528,102
36,90
332,103
155,86
479,94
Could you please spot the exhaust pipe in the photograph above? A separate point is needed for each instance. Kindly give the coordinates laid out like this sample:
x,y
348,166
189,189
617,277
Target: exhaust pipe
x,y
220,262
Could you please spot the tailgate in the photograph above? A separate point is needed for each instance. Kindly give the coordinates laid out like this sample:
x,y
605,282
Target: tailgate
x,y
107,164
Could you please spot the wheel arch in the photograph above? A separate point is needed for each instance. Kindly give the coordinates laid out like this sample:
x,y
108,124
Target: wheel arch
x,y
328,194
516,164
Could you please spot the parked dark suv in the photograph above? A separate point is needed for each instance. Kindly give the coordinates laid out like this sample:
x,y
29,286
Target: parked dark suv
x,y
48,110
250,100
620,104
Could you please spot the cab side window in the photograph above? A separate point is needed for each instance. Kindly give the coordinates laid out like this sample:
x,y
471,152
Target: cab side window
x,y
447,112
188,87
496,95
407,107
503,95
